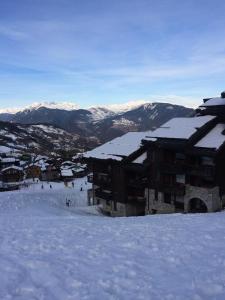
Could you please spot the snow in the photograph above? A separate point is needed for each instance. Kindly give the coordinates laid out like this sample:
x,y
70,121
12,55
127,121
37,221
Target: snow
x,y
99,113
123,122
50,251
66,173
141,158
119,147
37,105
12,167
214,102
180,128
4,149
9,159
214,139
123,107
49,129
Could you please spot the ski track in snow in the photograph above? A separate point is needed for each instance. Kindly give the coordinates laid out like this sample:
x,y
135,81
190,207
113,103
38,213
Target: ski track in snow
x,y
49,251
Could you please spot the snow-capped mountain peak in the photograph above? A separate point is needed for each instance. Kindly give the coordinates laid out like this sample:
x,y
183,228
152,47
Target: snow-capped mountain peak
x,y
36,105
53,105
119,108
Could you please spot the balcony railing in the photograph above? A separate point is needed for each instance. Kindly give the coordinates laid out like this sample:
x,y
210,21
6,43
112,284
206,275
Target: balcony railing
x,y
137,183
203,171
172,168
103,195
175,188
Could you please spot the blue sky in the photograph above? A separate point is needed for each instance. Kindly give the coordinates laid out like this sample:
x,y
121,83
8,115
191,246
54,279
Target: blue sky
x,y
96,52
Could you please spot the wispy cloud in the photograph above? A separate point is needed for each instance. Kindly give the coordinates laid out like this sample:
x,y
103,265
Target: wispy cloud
x,y
12,33
122,50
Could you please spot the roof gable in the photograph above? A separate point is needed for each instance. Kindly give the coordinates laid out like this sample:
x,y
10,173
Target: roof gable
x,y
118,148
180,128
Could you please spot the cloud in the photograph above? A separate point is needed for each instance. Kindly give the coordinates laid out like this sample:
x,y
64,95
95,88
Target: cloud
x,y
12,33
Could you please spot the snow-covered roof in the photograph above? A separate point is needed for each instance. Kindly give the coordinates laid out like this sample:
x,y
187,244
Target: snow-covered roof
x,y
214,102
13,167
119,147
4,149
68,162
78,170
9,159
180,128
66,173
214,139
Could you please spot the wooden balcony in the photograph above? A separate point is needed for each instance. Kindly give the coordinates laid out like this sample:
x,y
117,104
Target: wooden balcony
x,y
139,198
102,182
137,183
172,168
175,188
201,171
103,195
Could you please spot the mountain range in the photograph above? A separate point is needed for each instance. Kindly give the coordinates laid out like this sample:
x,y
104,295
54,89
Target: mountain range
x,y
96,125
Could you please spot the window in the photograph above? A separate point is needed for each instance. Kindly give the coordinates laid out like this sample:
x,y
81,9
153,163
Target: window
x,y
156,195
168,179
207,161
180,156
167,198
168,156
180,178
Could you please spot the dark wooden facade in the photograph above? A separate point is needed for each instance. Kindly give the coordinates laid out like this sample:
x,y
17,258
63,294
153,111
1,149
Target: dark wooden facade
x,y
12,175
184,177
176,176
119,185
33,171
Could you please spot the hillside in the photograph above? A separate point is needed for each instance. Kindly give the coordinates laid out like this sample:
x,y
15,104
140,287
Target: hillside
x,y
148,116
38,138
100,124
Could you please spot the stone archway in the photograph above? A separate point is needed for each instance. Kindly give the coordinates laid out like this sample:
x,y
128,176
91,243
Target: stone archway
x,y
196,205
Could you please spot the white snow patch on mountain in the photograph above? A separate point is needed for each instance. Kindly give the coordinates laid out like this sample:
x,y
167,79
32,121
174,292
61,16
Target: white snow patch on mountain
x,y
36,105
123,122
53,105
99,113
119,108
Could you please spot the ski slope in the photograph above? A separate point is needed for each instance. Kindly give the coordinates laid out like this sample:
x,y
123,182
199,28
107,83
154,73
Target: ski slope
x,y
50,251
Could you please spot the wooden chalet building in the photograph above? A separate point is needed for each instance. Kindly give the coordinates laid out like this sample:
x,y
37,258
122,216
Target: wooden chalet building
x,y
9,161
179,167
12,177
119,175
187,159
33,171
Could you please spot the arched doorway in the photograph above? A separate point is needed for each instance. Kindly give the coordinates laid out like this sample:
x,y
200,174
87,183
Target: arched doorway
x,y
196,205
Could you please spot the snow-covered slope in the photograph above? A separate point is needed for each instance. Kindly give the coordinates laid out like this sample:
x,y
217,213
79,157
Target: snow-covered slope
x,y
100,113
42,138
49,251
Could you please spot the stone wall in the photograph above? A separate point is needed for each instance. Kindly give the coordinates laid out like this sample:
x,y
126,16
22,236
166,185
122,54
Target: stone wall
x,y
210,196
157,205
